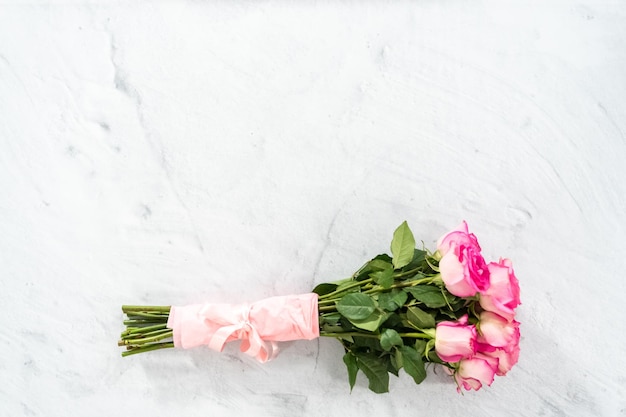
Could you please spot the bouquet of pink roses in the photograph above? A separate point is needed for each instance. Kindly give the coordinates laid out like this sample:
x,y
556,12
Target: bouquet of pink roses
x,y
396,312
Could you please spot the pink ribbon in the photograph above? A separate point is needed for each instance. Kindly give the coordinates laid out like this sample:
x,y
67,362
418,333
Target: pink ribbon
x,y
258,325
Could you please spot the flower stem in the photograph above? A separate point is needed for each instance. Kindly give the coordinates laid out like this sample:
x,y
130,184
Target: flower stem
x,y
399,285
359,334
149,322
148,328
160,309
154,346
127,335
374,336
347,287
407,273
148,340
415,335
138,314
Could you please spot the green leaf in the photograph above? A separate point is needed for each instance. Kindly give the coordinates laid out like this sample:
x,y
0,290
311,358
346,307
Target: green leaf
x,y
390,301
396,361
324,288
419,256
356,306
380,262
448,313
428,294
390,338
413,364
391,367
393,320
379,265
385,301
420,346
330,318
350,360
399,297
456,303
367,342
402,246
346,324
383,278
383,257
376,371
372,322
419,318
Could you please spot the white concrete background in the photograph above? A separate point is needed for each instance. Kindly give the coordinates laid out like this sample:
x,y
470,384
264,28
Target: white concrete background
x,y
177,152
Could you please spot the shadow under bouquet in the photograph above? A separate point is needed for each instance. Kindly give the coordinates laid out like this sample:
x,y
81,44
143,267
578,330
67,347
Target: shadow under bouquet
x,y
401,311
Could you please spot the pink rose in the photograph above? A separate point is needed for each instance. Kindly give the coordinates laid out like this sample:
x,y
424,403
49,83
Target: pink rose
x,y
497,331
473,373
463,268
506,359
455,340
502,296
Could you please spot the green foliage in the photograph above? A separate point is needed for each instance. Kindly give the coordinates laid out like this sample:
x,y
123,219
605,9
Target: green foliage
x,y
378,263
330,318
420,346
383,278
419,318
356,306
350,360
391,365
391,301
367,344
390,338
324,288
375,370
402,246
419,259
413,364
431,295
385,314
372,322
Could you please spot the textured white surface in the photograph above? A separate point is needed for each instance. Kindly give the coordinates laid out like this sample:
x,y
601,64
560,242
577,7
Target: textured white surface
x,y
176,152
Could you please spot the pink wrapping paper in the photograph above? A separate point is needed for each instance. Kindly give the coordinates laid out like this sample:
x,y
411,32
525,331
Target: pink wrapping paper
x,y
259,325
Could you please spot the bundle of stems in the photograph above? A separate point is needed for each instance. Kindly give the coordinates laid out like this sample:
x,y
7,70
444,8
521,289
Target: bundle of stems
x,y
146,329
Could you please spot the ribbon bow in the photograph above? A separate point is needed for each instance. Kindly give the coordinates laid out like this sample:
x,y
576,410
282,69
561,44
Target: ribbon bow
x,y
258,325
237,325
